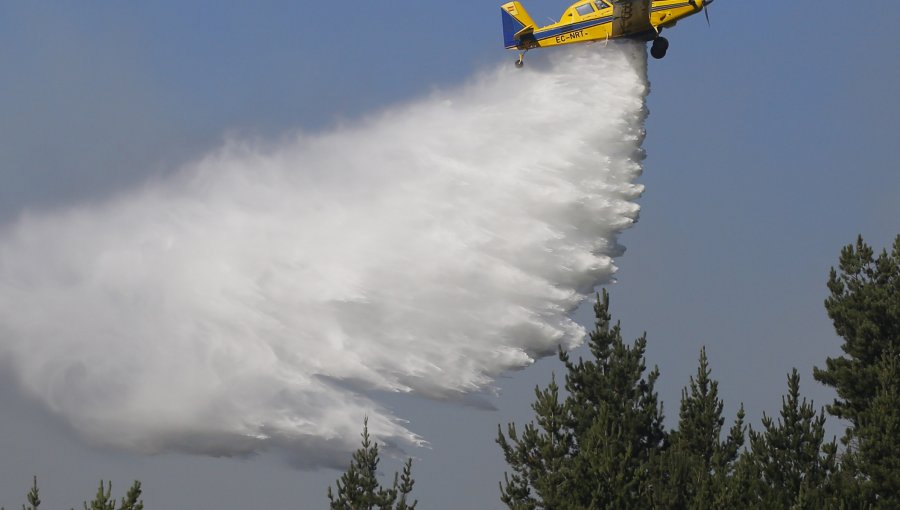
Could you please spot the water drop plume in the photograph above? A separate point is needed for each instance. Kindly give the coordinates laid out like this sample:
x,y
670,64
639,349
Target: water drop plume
x,y
255,299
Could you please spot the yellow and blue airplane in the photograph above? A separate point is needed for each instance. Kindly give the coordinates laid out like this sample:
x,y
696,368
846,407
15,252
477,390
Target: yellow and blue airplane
x,y
598,20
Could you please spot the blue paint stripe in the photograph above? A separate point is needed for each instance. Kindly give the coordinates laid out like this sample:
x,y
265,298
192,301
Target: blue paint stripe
x,y
673,6
571,28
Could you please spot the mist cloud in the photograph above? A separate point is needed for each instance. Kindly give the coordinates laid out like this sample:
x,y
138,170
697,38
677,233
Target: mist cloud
x,y
251,300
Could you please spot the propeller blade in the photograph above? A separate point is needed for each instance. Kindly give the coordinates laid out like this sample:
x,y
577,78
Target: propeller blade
x,y
706,11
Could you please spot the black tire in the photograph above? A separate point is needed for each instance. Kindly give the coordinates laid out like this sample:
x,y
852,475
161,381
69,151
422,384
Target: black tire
x,y
659,48
520,64
662,42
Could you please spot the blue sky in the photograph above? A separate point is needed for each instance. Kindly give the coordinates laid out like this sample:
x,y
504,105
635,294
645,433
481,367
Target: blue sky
x,y
770,145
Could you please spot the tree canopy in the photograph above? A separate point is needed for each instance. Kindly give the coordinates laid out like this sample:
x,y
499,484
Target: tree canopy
x,y
864,304
601,443
594,448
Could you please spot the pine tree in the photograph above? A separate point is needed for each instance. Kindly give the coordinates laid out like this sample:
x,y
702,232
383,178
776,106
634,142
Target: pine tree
x,y
34,497
790,455
405,487
695,470
132,499
879,439
541,458
745,487
103,500
358,487
865,307
595,448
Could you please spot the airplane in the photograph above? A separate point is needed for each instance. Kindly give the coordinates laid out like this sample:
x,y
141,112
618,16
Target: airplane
x,y
599,20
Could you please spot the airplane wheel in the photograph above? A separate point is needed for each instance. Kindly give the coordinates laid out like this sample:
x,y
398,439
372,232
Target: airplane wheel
x,y
520,64
662,42
659,48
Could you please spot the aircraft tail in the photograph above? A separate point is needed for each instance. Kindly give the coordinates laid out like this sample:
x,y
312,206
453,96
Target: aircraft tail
x,y
516,24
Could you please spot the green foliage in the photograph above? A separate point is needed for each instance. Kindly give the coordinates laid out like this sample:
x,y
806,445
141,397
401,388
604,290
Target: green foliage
x,y
790,457
595,448
103,500
132,499
358,487
602,445
700,417
33,497
865,307
879,438
694,472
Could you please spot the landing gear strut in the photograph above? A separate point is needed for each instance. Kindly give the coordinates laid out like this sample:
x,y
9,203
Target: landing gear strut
x,y
521,61
659,48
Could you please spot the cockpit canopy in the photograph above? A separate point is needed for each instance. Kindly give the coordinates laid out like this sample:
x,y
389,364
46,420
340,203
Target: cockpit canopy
x,y
586,8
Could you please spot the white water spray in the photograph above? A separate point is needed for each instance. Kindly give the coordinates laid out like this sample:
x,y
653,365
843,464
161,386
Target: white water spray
x,y
249,301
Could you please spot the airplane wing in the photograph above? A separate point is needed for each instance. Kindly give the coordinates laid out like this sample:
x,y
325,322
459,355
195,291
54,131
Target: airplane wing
x,y
631,18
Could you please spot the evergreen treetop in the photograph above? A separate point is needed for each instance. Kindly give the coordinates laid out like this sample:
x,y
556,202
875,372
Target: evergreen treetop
x,y
33,496
593,448
864,304
358,487
790,454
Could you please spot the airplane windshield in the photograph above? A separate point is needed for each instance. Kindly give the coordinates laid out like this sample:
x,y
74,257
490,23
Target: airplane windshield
x,y
585,9
601,5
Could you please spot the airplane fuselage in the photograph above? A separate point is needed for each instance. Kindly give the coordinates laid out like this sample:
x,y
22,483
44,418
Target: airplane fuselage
x,y
597,20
